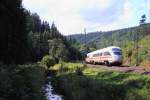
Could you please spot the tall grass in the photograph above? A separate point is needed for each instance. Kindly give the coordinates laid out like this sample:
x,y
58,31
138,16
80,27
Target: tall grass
x,y
98,84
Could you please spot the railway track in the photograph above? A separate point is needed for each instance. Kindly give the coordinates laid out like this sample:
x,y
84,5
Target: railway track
x,y
141,70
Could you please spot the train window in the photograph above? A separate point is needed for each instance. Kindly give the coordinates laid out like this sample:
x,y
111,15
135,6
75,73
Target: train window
x,y
107,54
117,53
96,55
100,54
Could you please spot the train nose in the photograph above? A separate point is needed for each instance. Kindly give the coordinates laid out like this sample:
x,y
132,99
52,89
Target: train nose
x,y
118,58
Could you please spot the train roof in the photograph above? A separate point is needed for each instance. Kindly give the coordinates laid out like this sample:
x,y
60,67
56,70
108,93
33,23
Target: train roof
x,y
104,49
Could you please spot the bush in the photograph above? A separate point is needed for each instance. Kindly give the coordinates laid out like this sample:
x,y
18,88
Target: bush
x,y
21,82
78,71
63,68
67,67
48,61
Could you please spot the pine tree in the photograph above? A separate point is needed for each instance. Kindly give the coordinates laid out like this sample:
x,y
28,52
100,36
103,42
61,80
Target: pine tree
x,y
13,32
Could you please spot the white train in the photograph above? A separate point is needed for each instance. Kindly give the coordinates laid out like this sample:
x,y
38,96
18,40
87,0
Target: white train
x,y
109,56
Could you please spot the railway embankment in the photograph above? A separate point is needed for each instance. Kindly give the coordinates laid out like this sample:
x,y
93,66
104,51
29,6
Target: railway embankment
x,y
126,69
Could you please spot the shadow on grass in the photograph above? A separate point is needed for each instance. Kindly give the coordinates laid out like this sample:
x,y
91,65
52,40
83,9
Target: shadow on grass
x,y
82,87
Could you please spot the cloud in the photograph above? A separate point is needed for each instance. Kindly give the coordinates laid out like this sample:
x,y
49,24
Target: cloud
x,y
104,16
145,5
72,16
122,17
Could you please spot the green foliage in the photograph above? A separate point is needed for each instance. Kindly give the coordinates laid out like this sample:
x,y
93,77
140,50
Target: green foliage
x,y
143,19
75,87
130,52
58,50
48,61
67,67
78,71
49,41
13,39
127,39
21,82
99,84
63,68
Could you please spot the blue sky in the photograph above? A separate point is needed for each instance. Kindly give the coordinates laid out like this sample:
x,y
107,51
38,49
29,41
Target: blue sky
x,y
72,16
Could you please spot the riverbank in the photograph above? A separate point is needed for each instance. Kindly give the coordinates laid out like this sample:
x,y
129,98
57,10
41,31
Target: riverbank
x,y
78,82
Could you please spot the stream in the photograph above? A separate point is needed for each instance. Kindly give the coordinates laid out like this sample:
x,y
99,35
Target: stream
x,y
49,93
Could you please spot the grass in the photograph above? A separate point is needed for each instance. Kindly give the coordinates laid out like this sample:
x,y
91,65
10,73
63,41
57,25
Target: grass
x,y
99,84
67,67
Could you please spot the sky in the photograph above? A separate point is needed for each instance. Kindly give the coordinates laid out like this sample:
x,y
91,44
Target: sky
x,y
73,16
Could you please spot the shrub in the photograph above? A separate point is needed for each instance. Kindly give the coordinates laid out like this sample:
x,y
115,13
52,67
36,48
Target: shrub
x,y
63,68
21,82
48,61
78,71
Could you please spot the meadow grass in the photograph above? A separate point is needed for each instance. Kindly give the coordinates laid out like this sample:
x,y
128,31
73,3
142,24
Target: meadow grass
x,y
79,82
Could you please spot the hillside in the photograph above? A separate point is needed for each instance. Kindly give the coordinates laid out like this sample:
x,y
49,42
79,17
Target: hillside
x,y
90,37
100,37
125,38
130,52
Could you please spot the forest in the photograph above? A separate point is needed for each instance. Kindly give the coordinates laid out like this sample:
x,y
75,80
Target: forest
x,y
34,52
25,40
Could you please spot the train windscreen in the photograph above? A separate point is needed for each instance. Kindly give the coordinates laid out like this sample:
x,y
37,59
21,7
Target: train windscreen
x,y
117,53
116,49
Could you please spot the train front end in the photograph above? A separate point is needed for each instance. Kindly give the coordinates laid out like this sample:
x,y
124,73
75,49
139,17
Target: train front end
x,y
117,56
